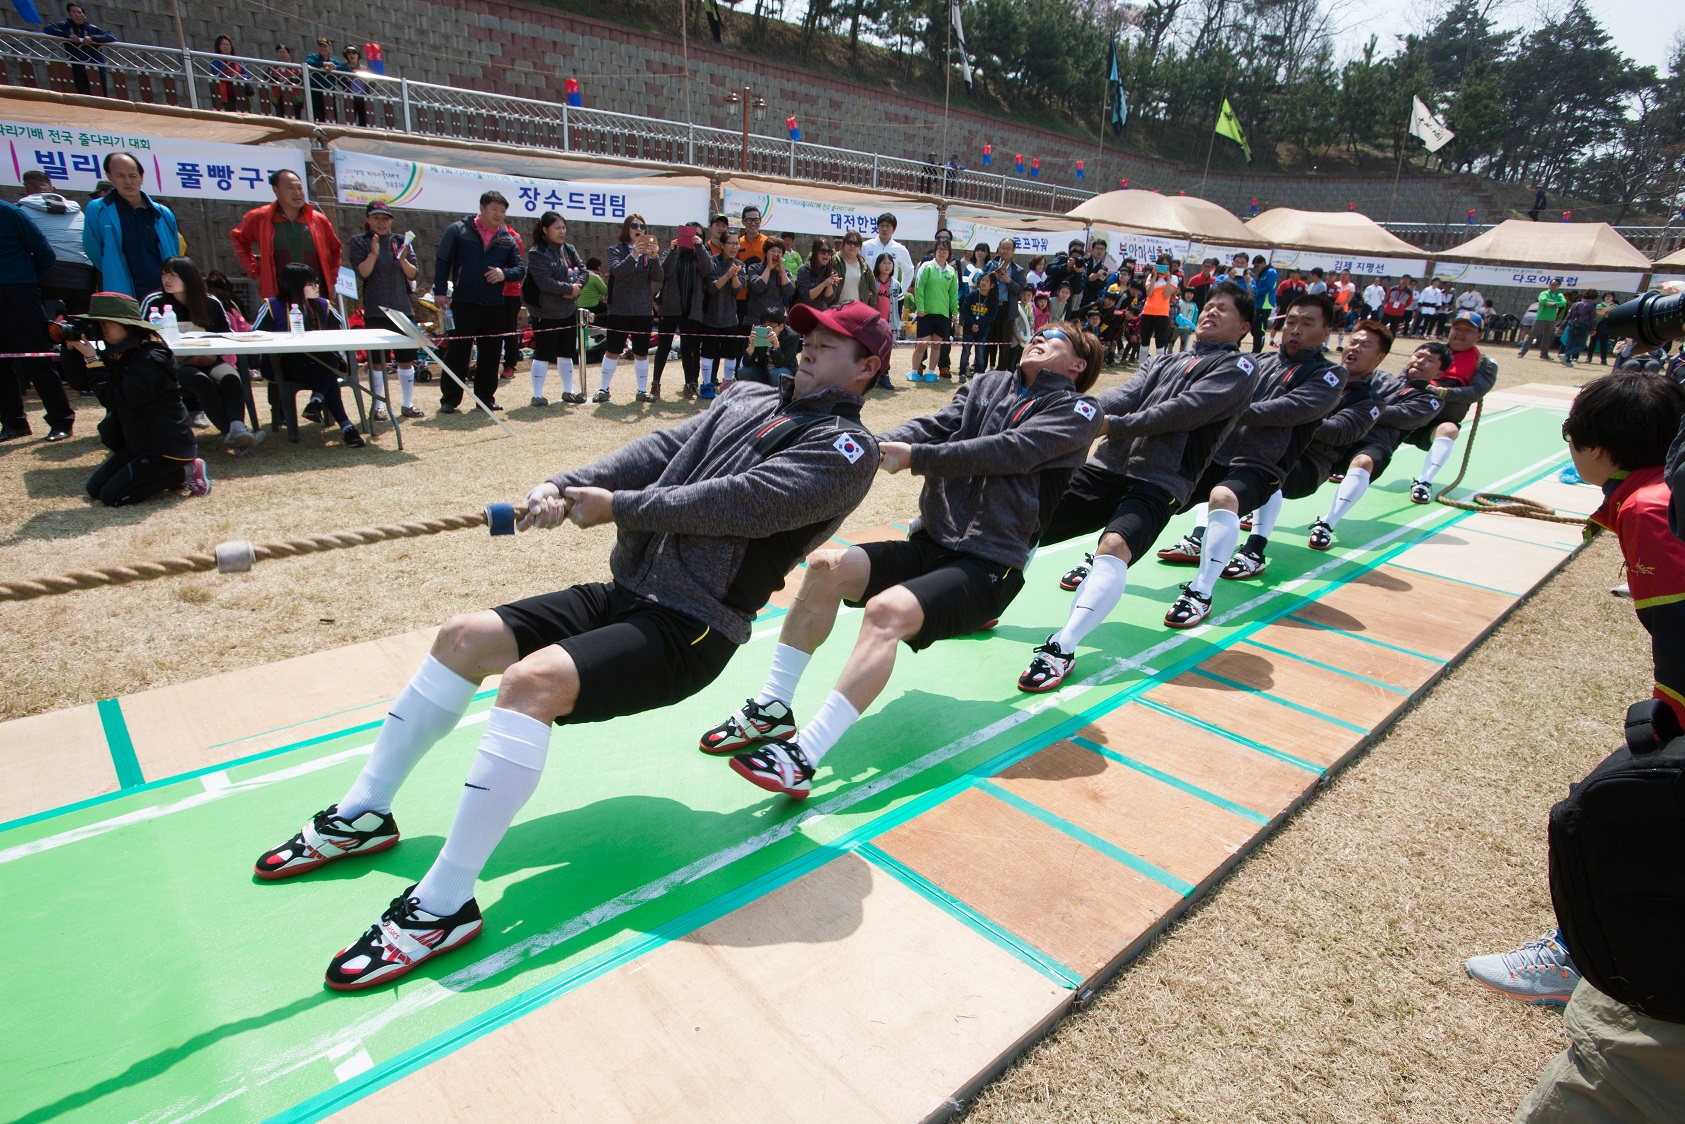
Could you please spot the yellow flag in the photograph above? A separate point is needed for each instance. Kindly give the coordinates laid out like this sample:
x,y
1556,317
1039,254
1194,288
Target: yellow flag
x,y
1228,125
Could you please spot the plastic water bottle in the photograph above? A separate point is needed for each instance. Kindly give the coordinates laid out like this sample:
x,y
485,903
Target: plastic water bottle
x,y
295,321
156,319
170,326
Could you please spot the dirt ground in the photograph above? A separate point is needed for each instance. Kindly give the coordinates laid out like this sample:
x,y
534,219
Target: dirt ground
x,y
1322,982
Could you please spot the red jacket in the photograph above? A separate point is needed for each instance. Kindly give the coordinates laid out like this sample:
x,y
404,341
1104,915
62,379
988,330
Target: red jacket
x,y
1636,510
255,236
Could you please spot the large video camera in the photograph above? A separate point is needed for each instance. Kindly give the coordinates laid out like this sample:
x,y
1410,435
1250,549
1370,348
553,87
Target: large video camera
x,y
1653,319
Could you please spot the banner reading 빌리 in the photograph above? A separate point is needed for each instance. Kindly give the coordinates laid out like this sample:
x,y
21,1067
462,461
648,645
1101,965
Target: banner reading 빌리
x,y
411,185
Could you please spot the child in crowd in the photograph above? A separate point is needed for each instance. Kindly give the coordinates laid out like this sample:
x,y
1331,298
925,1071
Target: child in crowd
x,y
977,316
773,349
1186,313
1044,309
1023,327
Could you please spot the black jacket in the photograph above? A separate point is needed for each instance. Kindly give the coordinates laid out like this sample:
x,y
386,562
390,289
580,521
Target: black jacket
x,y
1351,420
1164,424
996,459
1404,406
463,259
1293,396
137,386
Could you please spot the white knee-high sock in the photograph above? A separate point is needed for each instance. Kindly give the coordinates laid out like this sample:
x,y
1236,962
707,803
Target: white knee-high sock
x,y
424,711
830,722
1202,515
406,384
502,778
1222,535
1094,602
1351,490
540,370
564,367
728,369
640,367
609,364
1438,453
1266,517
788,663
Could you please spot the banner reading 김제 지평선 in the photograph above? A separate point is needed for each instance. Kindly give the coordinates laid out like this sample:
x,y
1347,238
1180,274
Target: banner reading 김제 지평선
x,y
175,168
428,187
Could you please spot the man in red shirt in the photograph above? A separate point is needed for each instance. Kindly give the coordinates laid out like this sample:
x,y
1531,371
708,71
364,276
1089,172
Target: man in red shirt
x,y
1459,386
286,230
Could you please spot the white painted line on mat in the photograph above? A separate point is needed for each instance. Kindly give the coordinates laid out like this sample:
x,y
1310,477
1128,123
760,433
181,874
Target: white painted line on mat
x,y
358,1062
445,987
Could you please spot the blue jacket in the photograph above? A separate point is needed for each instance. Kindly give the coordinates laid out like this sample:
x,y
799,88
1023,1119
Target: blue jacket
x,y
1263,288
463,259
102,241
24,253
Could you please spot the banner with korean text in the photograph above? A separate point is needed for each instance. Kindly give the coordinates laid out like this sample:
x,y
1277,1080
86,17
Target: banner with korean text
x,y
1530,277
1031,243
414,186
175,168
1361,265
915,222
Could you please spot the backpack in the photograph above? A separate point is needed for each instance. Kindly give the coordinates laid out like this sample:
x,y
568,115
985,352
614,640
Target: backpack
x,y
1617,867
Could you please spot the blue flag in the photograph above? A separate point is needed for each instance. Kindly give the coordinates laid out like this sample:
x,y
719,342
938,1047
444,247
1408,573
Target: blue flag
x,y
1117,105
27,12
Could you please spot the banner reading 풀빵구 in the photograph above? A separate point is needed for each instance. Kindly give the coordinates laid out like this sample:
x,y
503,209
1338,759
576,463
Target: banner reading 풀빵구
x,y
415,186
915,222
174,168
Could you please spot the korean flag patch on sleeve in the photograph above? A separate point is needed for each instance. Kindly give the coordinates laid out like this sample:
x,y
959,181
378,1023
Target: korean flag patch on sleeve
x,y
1086,409
1245,364
1374,413
848,447
1331,378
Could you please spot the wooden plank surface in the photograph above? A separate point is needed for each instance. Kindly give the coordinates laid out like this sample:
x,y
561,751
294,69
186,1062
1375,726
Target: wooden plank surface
x,y
1388,665
1296,681
52,759
843,996
1409,610
1256,717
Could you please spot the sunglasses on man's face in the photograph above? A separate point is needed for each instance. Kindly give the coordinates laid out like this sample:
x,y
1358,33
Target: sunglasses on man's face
x,y
1048,334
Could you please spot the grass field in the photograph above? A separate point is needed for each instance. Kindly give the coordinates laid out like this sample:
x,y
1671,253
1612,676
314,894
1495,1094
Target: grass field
x,y
1322,982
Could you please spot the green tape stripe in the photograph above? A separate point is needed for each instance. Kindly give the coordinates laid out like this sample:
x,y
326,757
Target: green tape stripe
x,y
1279,701
1238,739
1088,838
120,745
1002,938
416,1057
1177,783
1366,639
1347,672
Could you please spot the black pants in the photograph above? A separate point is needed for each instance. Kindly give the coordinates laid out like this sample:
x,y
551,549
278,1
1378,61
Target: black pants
x,y
691,339
72,365
666,328
321,378
220,392
475,324
23,327
125,478
1259,323
511,324
79,75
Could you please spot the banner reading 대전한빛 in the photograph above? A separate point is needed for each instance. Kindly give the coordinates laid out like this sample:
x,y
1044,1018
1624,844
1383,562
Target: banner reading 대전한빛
x,y
415,186
175,168
914,222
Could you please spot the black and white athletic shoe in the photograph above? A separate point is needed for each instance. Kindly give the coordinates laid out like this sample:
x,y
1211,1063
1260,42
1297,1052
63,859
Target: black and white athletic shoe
x,y
1189,609
1246,521
1420,492
1245,564
1077,574
751,725
1185,552
1048,669
779,766
328,837
1322,535
405,937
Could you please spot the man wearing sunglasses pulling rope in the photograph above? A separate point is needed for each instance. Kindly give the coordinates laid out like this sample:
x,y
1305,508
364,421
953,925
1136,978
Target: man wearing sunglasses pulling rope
x,y
995,461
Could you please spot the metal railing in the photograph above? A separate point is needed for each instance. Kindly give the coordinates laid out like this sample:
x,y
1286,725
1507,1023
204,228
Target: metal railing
x,y
203,80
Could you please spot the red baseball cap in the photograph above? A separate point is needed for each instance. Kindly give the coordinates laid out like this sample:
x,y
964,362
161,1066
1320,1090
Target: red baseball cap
x,y
857,320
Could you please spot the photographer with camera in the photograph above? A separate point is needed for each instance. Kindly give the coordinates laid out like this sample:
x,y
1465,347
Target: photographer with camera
x,y
24,257
145,424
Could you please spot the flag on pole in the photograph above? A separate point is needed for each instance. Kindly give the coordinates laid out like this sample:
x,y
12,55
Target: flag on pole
x,y
1228,125
711,9
26,11
1428,128
1117,102
795,128
959,38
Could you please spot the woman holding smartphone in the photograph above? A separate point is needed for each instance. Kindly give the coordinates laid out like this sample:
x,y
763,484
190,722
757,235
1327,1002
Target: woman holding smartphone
x,y
634,270
817,281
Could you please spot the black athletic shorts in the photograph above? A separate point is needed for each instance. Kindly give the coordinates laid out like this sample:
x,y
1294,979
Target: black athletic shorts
x,y
959,593
1100,499
1379,445
632,654
935,325
1311,473
623,329
1251,486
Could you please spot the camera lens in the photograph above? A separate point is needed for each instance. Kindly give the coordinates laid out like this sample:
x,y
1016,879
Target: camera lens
x,y
1653,319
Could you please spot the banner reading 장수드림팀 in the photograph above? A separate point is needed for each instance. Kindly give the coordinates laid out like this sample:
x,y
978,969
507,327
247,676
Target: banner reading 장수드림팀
x,y
411,185
175,168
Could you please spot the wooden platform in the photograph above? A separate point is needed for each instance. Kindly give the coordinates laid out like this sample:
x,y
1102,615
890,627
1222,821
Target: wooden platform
x,y
875,955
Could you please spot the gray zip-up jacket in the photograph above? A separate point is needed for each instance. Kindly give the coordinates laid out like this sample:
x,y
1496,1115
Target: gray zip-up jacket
x,y
707,524
1404,406
764,295
1164,424
684,281
1293,395
719,303
632,282
554,271
1353,416
996,459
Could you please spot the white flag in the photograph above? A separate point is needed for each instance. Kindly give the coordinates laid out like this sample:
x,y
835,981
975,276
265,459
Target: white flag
x,y
1429,128
959,37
